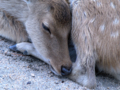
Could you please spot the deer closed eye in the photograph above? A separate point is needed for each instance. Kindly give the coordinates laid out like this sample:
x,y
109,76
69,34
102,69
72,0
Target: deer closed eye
x,y
46,28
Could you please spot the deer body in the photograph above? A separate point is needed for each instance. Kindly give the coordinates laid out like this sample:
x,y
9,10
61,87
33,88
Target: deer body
x,y
96,37
46,23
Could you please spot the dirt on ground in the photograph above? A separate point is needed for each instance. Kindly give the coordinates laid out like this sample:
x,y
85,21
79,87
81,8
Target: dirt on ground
x,y
19,72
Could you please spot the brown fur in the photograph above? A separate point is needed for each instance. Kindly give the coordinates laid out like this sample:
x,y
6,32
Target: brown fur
x,y
14,26
20,21
96,36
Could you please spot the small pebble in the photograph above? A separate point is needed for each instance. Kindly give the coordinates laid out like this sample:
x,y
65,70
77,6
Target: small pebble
x,y
29,66
63,81
29,82
5,52
33,75
51,75
56,83
49,72
8,54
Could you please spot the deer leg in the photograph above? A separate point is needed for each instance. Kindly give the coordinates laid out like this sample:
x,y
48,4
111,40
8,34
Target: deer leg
x,y
27,49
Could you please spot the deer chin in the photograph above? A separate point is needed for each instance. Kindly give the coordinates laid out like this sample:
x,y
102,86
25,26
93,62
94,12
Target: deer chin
x,y
53,71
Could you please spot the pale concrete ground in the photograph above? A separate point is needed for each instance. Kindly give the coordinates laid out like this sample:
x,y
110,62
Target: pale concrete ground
x,y
18,72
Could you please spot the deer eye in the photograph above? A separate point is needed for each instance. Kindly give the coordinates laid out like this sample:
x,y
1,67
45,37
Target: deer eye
x,y
46,28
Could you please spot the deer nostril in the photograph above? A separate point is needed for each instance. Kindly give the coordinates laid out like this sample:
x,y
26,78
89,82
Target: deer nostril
x,y
65,71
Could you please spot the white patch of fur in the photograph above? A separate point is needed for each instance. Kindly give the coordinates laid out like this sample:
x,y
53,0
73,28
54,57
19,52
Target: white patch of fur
x,y
116,21
92,20
71,1
114,34
102,28
112,5
85,13
82,79
93,0
99,4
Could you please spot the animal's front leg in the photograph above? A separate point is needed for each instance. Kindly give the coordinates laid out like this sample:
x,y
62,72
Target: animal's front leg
x,y
26,48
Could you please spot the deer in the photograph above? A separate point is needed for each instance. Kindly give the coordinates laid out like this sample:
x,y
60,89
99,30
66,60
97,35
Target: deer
x,y
40,28
96,38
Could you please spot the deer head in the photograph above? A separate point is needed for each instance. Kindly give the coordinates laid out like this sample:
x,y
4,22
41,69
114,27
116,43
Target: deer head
x,y
48,25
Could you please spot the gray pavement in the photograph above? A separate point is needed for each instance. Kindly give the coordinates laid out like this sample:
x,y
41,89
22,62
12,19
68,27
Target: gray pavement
x,y
19,72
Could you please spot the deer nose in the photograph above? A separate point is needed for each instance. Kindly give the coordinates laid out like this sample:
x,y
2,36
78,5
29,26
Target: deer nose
x,y
65,71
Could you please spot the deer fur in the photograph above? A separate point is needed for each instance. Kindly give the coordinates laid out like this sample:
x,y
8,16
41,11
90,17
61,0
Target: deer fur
x,y
46,23
96,37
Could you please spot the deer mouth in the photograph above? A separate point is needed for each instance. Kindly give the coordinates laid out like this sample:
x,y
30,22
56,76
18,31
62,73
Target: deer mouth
x,y
53,70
